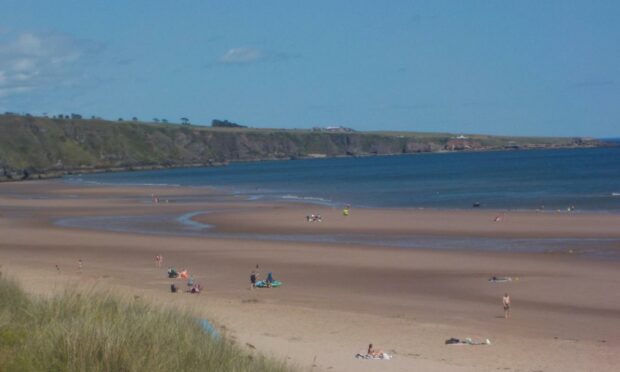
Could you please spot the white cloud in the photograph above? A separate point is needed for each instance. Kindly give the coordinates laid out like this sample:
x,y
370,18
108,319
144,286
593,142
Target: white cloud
x,y
23,64
32,61
242,55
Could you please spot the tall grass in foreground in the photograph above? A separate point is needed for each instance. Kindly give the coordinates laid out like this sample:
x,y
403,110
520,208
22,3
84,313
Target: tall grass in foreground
x,y
97,332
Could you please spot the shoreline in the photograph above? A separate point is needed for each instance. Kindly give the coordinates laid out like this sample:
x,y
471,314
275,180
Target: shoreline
x,y
287,198
192,224
336,298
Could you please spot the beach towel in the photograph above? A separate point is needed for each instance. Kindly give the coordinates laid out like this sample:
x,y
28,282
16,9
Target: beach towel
x,y
263,284
500,279
382,356
467,341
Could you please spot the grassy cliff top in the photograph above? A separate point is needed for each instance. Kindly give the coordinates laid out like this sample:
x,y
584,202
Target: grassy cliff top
x,y
50,146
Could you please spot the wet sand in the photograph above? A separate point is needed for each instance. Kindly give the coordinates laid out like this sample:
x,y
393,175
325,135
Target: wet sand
x,y
337,298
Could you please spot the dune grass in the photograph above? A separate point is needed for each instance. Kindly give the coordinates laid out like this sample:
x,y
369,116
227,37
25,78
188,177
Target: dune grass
x,y
96,331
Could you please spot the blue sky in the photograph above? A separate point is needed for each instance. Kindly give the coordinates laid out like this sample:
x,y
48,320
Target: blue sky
x,y
498,67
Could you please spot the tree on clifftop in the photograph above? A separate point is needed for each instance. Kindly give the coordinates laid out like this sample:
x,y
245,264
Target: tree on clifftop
x,y
185,121
225,124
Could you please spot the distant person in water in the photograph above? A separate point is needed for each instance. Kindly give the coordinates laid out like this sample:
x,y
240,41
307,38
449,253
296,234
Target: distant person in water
x,y
506,303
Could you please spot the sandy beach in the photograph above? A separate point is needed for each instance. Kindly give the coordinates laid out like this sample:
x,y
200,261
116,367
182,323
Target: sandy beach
x,y
337,297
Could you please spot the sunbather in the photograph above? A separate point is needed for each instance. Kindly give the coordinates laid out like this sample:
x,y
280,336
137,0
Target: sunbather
x,y
196,288
374,353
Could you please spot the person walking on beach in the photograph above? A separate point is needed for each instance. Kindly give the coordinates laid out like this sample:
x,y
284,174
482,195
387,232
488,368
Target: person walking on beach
x,y
253,276
506,303
159,260
80,265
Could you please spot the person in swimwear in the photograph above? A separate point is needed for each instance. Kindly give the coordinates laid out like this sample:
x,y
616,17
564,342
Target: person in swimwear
x,y
506,303
374,353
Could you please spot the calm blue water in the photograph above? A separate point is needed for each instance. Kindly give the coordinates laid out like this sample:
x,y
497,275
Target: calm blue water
x,y
588,179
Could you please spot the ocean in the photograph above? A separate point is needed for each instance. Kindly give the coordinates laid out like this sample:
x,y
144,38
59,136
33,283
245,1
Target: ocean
x,y
586,179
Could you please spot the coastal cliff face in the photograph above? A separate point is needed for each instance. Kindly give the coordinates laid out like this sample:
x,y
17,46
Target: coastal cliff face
x,y
35,147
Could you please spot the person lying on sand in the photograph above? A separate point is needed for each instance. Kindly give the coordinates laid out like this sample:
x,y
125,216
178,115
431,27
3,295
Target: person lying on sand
x,y
196,288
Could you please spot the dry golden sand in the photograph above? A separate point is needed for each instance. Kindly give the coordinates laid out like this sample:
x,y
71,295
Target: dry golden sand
x,y
337,298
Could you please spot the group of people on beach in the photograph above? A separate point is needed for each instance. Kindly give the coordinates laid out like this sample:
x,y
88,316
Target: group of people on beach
x,y
314,218
317,217
192,285
254,278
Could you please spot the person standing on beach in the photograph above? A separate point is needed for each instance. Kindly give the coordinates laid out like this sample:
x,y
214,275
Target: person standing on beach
x,y
506,303
159,260
254,277
80,265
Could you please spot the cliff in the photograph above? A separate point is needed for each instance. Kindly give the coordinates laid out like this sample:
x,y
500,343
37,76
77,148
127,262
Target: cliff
x,y
37,147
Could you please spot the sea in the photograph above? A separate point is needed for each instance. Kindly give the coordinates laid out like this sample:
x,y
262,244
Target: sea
x,y
581,179
575,180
